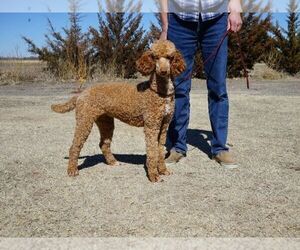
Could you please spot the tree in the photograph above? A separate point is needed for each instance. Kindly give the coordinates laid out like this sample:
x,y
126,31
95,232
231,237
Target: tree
x,y
255,42
67,55
287,42
120,39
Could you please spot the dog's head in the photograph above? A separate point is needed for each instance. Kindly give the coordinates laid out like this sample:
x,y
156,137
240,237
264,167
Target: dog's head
x,y
163,59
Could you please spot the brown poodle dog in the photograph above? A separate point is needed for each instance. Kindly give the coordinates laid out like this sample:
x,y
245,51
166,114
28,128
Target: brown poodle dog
x,y
149,104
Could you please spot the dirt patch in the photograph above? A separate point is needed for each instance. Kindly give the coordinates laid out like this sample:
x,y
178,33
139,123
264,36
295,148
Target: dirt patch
x,y
259,199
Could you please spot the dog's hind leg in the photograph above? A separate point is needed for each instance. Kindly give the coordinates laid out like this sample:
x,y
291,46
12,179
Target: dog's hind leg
x,y
84,126
106,128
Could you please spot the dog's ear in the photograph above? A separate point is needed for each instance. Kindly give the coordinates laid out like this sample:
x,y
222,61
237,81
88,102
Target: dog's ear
x,y
146,63
178,65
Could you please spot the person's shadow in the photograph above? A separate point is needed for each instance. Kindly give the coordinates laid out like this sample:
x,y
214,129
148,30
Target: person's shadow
x,y
195,137
199,139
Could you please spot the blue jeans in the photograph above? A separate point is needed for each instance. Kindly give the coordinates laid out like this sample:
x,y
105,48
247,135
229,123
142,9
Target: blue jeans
x,y
187,37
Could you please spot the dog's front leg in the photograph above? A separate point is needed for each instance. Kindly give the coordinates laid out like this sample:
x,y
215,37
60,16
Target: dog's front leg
x,y
162,169
151,136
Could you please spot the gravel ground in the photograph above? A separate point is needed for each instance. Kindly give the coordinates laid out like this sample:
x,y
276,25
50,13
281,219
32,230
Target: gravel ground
x,y
201,199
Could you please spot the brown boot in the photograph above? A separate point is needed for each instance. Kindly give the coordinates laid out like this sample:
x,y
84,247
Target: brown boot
x,y
173,157
225,159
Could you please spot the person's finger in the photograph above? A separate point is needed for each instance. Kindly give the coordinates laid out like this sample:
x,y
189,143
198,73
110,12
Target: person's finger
x,y
163,36
240,26
237,26
233,26
228,25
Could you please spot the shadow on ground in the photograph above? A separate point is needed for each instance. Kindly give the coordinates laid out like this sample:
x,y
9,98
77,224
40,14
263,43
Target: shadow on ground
x,y
199,139
91,161
195,137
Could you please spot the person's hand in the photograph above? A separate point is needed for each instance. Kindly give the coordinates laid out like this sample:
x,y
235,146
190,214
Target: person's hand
x,y
235,22
235,19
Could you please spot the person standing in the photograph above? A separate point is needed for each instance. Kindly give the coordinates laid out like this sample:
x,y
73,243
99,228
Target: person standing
x,y
188,24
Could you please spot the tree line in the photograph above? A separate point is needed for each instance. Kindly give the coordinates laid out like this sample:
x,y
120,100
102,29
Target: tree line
x,y
120,39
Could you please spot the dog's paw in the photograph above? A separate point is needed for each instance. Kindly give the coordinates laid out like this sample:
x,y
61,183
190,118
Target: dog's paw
x,y
154,178
72,172
115,164
165,172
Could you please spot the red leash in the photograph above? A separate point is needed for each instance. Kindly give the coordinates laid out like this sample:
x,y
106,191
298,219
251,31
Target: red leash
x,y
215,52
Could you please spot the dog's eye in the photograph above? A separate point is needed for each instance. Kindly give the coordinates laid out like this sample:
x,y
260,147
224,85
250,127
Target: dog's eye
x,y
170,57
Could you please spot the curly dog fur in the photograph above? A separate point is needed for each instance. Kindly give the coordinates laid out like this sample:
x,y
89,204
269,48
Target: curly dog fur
x,y
149,104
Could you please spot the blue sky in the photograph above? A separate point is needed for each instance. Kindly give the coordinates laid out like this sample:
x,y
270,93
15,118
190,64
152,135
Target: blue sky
x,y
34,26
88,5
57,5
31,20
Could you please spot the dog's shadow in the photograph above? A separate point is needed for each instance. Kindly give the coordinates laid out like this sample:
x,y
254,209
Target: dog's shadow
x,y
91,161
196,138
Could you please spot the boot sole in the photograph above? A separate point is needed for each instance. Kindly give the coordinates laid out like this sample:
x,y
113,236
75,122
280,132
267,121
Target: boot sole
x,y
175,161
227,165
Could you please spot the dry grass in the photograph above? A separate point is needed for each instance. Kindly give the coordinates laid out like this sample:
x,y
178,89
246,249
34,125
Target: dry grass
x,y
259,199
261,71
18,71
108,74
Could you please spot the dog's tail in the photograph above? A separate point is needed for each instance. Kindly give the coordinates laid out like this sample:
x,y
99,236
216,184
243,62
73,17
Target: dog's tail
x,y
65,107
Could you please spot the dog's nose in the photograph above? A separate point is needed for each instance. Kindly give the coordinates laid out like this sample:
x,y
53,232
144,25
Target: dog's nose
x,y
164,72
